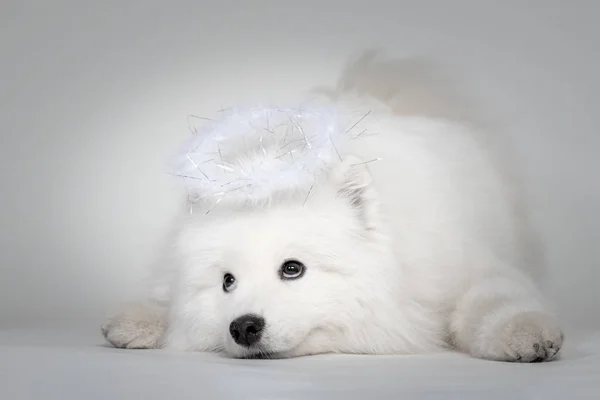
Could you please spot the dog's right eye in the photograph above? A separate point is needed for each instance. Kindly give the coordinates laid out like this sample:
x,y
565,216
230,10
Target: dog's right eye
x,y
229,282
291,269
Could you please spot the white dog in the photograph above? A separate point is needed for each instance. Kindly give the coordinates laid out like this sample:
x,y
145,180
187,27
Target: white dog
x,y
423,250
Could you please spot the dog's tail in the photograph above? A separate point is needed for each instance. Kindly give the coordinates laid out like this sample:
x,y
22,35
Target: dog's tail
x,y
409,86
418,87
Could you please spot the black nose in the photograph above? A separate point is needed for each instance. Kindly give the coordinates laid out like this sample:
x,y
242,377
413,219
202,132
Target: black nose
x,y
247,329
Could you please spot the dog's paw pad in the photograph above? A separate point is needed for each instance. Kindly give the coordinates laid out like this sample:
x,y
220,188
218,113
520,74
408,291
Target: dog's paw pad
x,y
530,337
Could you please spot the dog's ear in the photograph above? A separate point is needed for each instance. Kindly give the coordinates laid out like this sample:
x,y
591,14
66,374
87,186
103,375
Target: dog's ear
x,y
355,184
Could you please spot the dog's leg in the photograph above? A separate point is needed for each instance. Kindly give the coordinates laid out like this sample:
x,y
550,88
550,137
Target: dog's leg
x,y
500,317
137,326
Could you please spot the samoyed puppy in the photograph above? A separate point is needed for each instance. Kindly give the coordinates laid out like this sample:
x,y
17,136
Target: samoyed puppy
x,y
416,241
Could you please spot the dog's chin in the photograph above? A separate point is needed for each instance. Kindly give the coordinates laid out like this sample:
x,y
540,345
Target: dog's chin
x,y
259,353
263,355
263,351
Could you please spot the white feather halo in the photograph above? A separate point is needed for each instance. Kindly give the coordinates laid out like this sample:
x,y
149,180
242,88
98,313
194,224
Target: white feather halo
x,y
253,153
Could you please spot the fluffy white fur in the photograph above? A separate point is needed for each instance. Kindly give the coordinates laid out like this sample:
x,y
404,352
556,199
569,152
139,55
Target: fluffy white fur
x,y
421,251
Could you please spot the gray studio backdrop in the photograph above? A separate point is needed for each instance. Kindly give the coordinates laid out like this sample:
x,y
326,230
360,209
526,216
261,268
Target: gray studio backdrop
x,y
94,94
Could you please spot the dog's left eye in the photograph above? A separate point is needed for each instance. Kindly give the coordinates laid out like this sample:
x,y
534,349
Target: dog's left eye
x,y
229,282
292,269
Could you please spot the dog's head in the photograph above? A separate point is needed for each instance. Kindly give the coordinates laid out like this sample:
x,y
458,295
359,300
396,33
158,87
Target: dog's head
x,y
288,279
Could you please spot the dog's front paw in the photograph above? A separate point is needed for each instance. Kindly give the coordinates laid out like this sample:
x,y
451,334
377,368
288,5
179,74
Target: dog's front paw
x,y
137,326
528,337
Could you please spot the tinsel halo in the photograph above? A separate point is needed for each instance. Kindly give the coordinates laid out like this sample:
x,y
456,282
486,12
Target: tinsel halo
x,y
253,153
